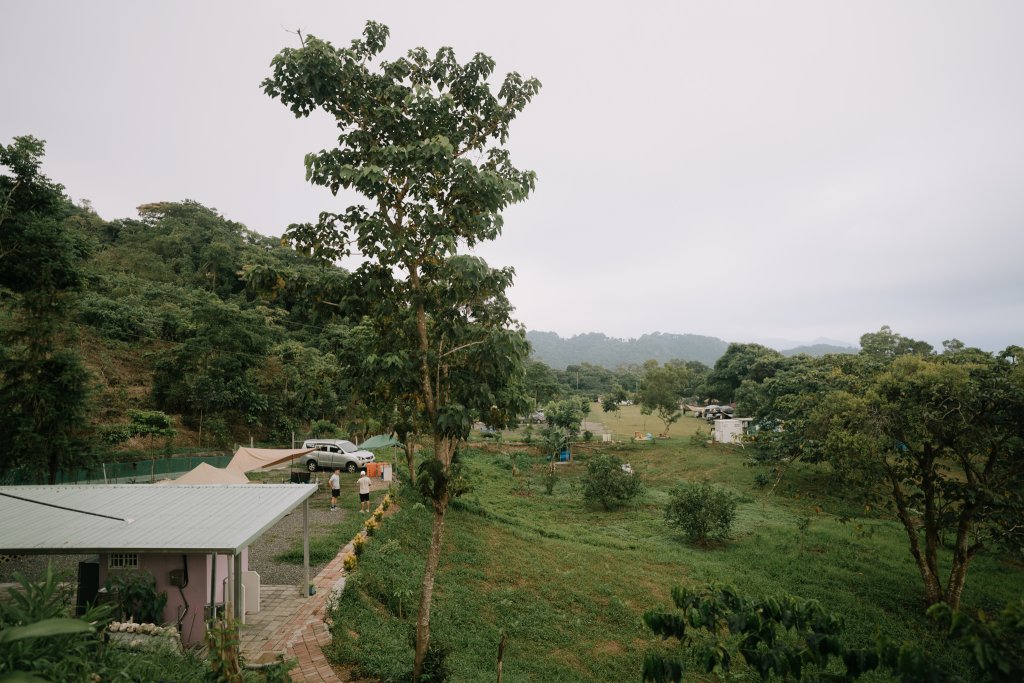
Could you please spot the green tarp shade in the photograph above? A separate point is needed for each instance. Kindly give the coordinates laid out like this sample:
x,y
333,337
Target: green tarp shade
x,y
379,441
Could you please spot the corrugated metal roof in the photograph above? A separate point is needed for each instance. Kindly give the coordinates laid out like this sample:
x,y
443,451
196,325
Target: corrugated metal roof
x,y
188,518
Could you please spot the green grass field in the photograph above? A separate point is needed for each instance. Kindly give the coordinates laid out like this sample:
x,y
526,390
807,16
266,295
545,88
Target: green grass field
x,y
567,583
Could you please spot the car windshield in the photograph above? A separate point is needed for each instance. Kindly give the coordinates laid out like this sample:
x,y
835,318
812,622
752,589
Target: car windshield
x,y
348,447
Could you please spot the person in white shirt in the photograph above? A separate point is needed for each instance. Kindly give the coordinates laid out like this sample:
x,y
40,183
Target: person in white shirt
x,y
364,491
335,483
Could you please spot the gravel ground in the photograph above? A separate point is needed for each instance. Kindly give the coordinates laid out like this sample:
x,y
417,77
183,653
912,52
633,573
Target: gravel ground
x,y
276,540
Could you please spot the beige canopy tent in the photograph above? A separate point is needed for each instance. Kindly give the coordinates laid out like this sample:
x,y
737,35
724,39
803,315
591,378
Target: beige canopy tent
x,y
208,474
249,459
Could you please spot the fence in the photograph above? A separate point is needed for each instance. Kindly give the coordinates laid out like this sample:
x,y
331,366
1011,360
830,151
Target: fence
x,y
123,472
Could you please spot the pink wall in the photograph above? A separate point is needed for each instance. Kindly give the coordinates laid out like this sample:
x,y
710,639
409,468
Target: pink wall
x,y
160,565
222,571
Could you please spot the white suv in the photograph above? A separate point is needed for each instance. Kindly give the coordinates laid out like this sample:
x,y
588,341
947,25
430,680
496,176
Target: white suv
x,y
334,453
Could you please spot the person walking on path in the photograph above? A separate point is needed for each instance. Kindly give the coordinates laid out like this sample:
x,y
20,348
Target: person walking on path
x,y
335,483
364,491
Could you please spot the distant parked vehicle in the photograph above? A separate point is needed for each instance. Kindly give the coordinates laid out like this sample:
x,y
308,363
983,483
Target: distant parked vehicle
x,y
537,417
712,413
334,453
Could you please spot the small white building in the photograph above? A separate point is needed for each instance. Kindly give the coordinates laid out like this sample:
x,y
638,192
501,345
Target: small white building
x,y
731,431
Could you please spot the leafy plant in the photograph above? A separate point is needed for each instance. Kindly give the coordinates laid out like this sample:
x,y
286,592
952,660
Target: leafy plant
x,y
323,429
701,437
222,641
785,637
996,643
550,479
701,511
38,637
606,483
137,596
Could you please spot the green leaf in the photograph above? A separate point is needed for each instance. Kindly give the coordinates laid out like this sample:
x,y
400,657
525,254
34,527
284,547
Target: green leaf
x,y
45,629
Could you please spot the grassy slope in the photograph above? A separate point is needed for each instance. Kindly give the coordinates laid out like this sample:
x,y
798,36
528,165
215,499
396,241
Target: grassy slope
x,y
567,583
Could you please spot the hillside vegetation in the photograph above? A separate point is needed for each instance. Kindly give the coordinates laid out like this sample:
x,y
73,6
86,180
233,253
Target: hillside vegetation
x,y
566,582
595,348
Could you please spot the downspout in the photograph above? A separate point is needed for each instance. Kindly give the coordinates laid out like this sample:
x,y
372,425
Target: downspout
x,y
181,589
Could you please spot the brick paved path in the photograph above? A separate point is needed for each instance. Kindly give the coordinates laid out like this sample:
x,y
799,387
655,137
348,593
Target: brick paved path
x,y
293,626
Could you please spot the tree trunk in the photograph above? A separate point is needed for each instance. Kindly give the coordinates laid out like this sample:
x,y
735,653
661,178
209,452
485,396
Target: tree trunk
x,y
410,458
925,564
962,555
433,558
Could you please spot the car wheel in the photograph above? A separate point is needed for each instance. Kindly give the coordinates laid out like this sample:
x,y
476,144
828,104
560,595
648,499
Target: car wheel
x,y
350,467
311,465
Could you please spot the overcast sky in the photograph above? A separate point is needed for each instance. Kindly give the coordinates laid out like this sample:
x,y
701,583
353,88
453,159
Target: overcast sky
x,y
745,170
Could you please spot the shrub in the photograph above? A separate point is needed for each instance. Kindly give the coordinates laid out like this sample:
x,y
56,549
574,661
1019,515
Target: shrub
x,y
701,511
350,562
606,483
323,429
137,596
550,479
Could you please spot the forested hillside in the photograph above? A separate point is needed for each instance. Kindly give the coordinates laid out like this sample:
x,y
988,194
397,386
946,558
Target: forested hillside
x,y
179,325
599,349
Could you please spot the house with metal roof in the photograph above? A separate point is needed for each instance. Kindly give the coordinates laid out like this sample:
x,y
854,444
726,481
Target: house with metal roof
x,y
191,537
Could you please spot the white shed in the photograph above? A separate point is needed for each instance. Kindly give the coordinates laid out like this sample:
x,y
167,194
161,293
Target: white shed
x,y
731,431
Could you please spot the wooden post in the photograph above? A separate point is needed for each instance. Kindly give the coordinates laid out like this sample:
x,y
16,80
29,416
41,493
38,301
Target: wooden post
x,y
501,654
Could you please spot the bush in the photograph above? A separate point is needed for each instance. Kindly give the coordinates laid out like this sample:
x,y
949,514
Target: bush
x,y
606,483
323,429
137,596
701,511
550,479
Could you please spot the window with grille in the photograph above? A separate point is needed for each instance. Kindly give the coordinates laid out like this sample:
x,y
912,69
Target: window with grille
x,y
123,561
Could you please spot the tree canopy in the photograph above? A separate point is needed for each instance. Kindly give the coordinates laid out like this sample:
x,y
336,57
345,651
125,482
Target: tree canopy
x,y
937,439
421,138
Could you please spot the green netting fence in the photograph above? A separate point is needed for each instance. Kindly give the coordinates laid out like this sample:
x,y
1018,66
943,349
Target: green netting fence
x,y
123,472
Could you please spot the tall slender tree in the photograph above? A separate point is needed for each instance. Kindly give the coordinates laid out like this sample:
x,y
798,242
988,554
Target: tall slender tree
x,y
43,384
421,138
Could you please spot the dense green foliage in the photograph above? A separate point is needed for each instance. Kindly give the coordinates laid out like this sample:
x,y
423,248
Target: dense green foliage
x,y
663,390
567,581
785,637
996,642
422,139
937,439
608,484
179,312
43,383
600,350
136,596
701,511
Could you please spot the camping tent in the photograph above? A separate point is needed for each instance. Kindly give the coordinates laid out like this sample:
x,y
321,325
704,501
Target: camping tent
x,y
208,474
379,441
249,459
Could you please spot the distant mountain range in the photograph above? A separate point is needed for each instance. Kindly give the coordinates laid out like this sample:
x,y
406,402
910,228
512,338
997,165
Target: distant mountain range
x,y
599,349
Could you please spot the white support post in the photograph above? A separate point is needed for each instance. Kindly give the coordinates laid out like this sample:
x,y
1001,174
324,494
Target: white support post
x,y
305,545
